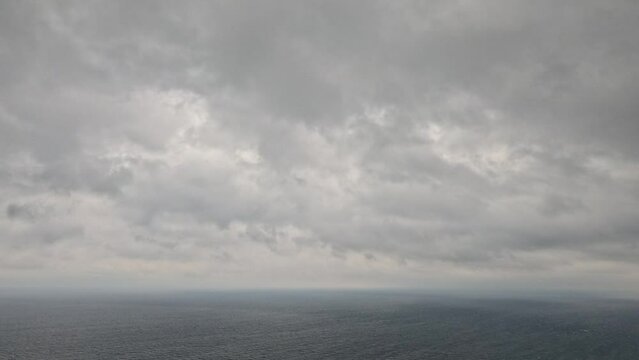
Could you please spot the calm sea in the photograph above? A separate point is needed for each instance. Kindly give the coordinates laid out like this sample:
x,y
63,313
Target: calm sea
x,y
314,325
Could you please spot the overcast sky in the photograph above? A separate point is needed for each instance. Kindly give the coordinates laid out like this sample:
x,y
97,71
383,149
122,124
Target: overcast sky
x,y
428,144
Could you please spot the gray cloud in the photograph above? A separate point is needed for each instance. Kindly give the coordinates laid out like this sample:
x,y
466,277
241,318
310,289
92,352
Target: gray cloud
x,y
320,143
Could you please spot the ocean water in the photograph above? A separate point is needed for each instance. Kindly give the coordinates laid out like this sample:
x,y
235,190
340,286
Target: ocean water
x,y
314,325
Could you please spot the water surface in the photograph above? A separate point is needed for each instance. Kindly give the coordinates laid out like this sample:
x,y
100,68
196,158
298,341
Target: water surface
x,y
314,325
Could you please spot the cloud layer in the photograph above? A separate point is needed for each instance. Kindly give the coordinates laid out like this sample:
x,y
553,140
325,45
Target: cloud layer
x,y
320,143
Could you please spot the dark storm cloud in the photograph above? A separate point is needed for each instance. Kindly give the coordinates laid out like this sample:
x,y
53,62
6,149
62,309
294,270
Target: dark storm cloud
x,y
332,141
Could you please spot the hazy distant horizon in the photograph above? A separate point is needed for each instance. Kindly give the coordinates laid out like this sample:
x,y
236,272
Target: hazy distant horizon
x,y
76,291
458,146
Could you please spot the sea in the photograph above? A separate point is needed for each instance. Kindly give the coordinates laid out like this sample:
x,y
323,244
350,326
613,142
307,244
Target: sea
x,y
315,325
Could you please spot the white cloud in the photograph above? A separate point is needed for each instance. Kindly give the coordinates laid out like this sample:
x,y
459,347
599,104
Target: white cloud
x,y
319,144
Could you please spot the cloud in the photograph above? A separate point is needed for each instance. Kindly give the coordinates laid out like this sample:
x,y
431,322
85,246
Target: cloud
x,y
320,143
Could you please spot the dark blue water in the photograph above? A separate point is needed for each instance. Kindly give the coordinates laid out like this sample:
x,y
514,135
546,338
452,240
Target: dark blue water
x,y
314,325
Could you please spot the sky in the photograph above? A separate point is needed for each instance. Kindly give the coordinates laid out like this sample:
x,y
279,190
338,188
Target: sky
x,y
320,144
